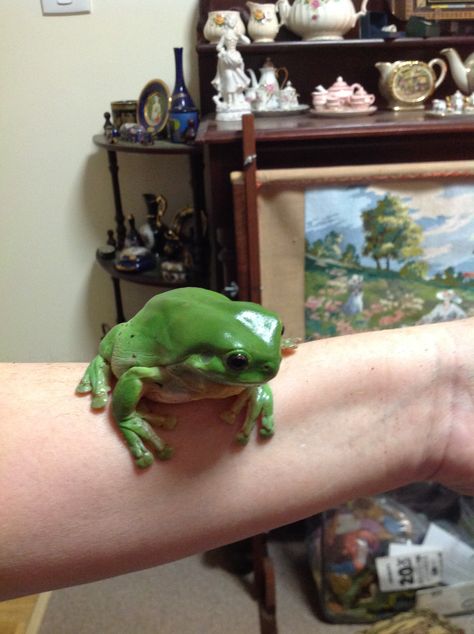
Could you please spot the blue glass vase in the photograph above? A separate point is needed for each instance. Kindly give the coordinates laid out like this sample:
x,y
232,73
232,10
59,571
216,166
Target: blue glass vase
x,y
184,116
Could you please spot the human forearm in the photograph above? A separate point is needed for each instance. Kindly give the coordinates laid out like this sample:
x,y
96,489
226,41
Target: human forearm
x,y
354,416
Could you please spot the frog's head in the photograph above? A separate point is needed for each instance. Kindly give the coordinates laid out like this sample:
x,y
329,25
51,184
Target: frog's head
x,y
245,349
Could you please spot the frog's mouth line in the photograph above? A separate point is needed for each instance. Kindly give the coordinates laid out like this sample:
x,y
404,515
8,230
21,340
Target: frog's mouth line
x,y
201,378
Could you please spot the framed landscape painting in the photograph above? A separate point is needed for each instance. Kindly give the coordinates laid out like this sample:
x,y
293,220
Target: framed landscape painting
x,y
352,249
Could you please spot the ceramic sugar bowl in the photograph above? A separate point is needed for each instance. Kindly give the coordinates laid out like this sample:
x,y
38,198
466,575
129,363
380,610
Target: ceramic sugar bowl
x,y
288,97
218,21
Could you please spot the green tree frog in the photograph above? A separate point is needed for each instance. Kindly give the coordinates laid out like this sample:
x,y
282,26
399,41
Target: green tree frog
x,y
183,345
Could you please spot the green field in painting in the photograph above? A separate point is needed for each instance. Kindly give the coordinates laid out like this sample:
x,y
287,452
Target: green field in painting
x,y
389,300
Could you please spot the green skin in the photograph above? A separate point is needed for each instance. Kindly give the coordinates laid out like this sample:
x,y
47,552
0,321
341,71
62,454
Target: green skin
x,y
187,344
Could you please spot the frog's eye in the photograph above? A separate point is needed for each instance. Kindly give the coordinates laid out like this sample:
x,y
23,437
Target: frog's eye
x,y
237,361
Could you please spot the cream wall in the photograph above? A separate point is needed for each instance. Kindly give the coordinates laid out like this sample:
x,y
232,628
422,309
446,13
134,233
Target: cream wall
x,y
57,76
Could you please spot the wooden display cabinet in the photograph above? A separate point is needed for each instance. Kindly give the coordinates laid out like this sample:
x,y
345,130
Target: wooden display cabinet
x,y
305,141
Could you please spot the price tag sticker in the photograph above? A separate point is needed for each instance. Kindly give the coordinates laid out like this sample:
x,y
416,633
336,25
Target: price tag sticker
x,y
409,571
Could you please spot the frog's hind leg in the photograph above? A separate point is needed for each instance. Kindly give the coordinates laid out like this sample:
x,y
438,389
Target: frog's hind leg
x,y
127,394
157,420
96,379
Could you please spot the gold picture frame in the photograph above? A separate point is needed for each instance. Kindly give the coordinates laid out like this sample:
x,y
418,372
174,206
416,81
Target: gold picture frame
x,y
405,9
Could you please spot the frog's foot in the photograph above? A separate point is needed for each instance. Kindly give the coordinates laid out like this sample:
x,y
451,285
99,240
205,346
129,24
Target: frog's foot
x,y
100,398
230,415
260,407
290,344
242,438
84,386
157,420
267,427
135,430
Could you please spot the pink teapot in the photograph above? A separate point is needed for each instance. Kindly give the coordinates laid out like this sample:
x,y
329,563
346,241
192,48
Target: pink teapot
x,y
341,95
342,90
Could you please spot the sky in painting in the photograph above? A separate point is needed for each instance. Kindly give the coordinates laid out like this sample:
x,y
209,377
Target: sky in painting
x,y
445,211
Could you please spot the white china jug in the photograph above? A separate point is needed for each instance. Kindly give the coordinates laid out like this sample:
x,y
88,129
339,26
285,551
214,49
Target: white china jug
x,y
263,24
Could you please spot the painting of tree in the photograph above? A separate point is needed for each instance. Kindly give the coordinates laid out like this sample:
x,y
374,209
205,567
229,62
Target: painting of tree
x,y
390,233
387,256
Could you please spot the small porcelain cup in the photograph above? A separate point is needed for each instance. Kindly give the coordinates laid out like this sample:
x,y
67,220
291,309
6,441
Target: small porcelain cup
x,y
439,106
361,100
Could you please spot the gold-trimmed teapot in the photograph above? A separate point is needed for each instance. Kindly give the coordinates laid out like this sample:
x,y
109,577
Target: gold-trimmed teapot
x,y
406,85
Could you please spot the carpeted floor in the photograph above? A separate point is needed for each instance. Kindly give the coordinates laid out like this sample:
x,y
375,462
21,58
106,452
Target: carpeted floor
x,y
197,595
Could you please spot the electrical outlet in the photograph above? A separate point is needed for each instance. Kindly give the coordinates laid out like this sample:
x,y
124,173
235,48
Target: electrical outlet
x,y
54,7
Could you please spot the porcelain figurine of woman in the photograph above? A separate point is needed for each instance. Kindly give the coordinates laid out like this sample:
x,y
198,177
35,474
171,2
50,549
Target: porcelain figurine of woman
x,y
231,80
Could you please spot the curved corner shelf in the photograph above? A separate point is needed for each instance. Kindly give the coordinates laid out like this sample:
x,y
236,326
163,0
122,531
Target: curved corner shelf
x,y
160,148
152,277
157,147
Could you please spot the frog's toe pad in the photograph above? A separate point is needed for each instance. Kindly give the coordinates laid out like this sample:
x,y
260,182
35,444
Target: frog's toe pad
x,y
242,438
166,453
228,417
145,460
267,433
99,400
83,388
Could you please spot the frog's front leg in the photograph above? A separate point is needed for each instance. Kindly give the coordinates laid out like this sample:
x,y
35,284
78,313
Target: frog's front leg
x,y
259,401
96,379
127,394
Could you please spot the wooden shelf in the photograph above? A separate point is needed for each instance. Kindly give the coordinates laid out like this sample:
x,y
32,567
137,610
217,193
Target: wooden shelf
x,y
298,47
153,277
306,127
158,147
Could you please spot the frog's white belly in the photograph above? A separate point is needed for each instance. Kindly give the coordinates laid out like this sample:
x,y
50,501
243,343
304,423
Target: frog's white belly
x,y
188,387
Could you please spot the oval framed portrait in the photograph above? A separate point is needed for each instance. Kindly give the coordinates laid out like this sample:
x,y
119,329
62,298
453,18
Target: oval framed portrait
x,y
153,105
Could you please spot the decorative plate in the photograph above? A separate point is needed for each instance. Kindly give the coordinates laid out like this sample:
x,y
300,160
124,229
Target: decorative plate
x,y
281,113
343,112
153,105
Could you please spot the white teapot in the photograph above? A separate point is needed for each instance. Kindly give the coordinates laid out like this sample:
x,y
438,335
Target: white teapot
x,y
267,89
462,72
323,20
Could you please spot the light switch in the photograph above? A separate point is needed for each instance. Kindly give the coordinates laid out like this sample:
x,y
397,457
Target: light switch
x,y
53,7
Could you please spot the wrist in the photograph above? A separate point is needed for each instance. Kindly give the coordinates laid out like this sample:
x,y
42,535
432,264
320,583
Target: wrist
x,y
452,434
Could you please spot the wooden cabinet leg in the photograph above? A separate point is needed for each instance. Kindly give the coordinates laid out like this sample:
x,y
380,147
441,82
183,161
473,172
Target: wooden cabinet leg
x,y
264,576
118,301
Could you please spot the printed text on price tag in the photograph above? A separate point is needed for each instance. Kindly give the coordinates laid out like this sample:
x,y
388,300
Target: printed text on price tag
x,y
409,571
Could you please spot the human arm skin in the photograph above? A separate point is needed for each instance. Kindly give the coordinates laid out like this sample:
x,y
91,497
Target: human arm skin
x,y
354,416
